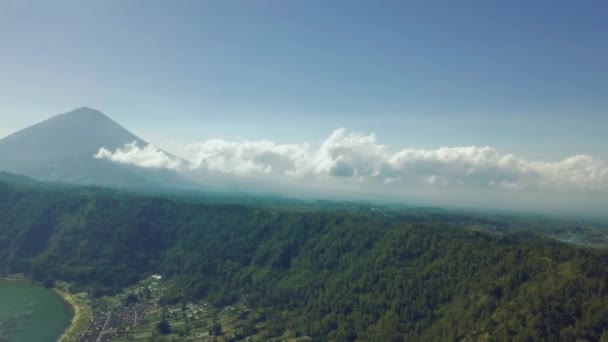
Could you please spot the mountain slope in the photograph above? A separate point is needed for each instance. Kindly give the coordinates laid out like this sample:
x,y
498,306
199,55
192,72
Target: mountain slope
x,y
79,133
332,275
62,149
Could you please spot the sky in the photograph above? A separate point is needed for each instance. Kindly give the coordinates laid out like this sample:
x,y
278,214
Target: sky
x,y
516,78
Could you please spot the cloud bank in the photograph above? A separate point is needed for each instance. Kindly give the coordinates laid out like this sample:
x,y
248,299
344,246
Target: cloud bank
x,y
149,156
360,160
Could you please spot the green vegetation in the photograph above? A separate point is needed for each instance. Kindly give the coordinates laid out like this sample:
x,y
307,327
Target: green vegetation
x,y
163,327
346,274
216,329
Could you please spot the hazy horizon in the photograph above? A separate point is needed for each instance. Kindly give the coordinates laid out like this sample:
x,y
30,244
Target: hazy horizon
x,y
478,104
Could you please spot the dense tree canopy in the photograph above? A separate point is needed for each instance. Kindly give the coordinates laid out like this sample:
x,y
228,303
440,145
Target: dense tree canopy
x,y
337,275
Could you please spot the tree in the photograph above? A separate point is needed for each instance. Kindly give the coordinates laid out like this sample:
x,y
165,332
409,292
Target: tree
x,y
163,327
387,328
216,329
131,299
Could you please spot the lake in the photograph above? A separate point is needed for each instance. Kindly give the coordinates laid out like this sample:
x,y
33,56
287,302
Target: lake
x,y
31,313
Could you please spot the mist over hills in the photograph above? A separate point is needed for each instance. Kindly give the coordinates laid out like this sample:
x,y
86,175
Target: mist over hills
x,y
62,149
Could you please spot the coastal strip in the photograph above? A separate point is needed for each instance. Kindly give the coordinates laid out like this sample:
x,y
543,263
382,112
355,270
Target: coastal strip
x,y
81,319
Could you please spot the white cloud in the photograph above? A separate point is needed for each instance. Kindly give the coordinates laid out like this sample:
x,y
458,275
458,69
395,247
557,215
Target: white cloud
x,y
359,158
149,156
350,155
249,157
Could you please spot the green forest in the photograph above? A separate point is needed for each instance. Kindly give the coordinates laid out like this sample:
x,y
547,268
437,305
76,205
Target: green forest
x,y
342,274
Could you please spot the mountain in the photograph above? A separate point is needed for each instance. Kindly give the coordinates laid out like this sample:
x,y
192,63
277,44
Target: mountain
x,y
61,149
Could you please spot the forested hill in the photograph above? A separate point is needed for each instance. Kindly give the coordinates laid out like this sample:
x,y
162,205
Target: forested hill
x,y
331,275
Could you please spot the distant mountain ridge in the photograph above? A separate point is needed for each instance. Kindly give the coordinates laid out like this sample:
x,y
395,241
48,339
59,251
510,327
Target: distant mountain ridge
x,y
61,149
79,133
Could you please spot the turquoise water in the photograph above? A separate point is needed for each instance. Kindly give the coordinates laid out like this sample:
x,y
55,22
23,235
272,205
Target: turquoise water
x,y
31,313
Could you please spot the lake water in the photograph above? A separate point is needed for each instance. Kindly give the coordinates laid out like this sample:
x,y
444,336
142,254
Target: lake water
x,y
31,313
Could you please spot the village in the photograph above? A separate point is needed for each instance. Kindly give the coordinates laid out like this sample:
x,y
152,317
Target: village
x,y
136,315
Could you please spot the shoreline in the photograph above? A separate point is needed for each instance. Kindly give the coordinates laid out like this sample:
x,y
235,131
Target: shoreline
x,y
81,312
80,319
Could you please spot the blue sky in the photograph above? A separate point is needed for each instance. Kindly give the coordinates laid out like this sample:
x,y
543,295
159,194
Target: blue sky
x,y
191,69
528,78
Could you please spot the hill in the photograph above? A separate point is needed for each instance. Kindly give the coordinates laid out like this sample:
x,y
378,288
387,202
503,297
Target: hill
x,y
61,149
333,275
